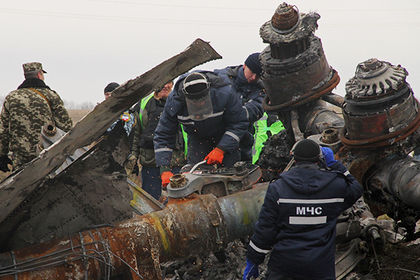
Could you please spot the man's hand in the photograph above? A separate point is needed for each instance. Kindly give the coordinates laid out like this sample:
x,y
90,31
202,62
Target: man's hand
x,y
129,164
215,156
328,155
4,161
251,270
165,178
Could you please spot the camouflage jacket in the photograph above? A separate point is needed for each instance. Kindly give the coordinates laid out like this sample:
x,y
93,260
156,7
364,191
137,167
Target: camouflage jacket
x,y
23,114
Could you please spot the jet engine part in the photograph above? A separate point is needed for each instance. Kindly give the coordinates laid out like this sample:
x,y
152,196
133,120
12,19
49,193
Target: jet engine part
x,y
380,108
295,70
401,178
219,182
328,138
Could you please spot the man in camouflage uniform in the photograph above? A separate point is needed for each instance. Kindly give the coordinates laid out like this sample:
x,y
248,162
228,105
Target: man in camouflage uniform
x,y
24,112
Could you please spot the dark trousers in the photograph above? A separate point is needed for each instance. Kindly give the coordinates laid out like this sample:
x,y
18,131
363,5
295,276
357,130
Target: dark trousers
x,y
246,147
151,182
272,275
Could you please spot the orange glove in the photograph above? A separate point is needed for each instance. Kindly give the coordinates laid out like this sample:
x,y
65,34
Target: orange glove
x,y
165,178
215,156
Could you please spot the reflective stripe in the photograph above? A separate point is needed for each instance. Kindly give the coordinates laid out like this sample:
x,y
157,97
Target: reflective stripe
x,y
249,101
185,118
143,104
163,150
310,201
185,137
261,134
252,245
186,123
247,114
308,220
233,135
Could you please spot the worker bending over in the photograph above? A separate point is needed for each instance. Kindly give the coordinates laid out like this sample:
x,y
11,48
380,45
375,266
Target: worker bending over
x,y
212,117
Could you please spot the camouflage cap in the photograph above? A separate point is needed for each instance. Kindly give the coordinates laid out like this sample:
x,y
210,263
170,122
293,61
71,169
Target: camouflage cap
x,y
32,67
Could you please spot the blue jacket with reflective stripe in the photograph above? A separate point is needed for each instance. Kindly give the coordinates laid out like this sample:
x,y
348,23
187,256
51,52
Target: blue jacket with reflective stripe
x,y
228,121
252,95
298,220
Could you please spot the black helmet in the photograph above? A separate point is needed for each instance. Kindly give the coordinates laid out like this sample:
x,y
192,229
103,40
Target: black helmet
x,y
195,86
307,150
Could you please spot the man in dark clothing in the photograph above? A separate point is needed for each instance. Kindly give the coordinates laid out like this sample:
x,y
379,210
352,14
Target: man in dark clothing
x,y
150,110
297,222
128,118
245,81
212,117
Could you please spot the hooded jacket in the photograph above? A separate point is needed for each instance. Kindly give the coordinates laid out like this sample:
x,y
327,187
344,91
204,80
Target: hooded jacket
x,y
227,123
298,220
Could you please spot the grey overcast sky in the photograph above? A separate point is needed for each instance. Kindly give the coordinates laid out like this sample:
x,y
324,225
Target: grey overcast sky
x,y
85,44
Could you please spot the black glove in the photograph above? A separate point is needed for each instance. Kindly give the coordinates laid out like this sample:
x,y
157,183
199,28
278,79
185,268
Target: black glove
x,y
4,161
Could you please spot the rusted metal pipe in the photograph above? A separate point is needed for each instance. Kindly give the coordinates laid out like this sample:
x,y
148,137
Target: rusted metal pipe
x,y
334,99
136,247
401,178
241,210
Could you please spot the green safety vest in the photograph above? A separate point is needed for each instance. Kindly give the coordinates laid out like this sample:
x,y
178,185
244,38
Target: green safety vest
x,y
260,135
143,104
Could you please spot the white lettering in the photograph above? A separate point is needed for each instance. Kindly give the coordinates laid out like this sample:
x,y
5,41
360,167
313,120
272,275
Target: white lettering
x,y
310,210
300,210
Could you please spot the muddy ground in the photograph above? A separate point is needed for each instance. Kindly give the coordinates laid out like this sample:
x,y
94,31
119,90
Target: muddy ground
x,y
387,262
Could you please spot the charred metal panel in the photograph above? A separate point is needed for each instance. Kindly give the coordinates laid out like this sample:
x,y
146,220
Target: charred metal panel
x,y
24,182
91,191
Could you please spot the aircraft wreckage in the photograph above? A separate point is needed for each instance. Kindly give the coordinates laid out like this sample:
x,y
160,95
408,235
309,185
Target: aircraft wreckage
x,y
72,213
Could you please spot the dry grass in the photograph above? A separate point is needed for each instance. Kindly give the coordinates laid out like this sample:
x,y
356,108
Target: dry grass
x,y
77,115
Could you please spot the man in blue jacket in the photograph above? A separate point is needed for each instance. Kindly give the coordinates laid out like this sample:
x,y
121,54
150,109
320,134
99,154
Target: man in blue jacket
x,y
210,114
297,222
245,81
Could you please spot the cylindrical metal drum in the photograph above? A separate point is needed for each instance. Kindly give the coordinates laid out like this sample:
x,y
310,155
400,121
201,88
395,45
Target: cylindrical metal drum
x,y
295,69
378,101
288,79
